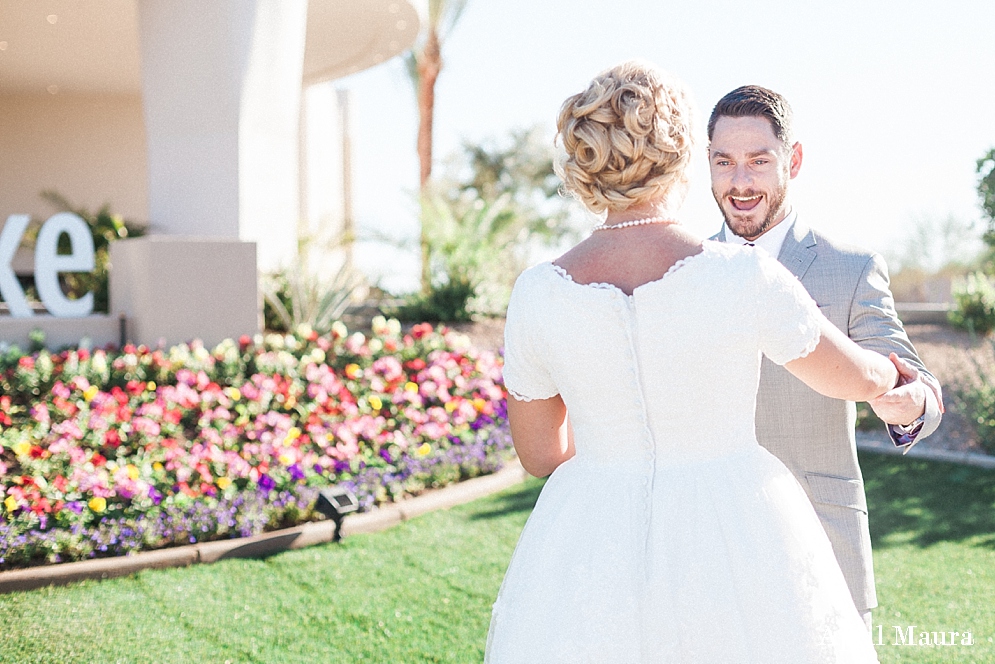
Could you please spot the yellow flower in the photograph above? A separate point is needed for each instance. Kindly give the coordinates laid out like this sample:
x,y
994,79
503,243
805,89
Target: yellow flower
x,y
223,483
97,504
293,434
90,392
150,386
479,404
22,448
10,503
375,403
451,406
411,387
233,393
158,467
352,371
286,459
424,449
132,470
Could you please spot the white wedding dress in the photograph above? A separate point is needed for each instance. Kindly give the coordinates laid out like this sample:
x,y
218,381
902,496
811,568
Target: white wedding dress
x,y
671,536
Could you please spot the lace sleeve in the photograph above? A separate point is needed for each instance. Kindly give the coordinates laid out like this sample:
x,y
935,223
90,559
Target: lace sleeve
x,y
526,375
789,319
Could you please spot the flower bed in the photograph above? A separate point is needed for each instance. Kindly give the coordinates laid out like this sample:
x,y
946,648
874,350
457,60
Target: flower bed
x,y
109,452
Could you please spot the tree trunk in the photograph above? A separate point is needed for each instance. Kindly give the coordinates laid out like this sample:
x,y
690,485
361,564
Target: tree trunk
x,y
429,66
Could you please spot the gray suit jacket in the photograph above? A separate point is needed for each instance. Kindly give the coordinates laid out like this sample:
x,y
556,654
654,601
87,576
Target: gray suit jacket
x,y
814,435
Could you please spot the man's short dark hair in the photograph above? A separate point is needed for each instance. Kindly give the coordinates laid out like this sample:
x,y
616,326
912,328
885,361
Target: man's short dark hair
x,y
755,101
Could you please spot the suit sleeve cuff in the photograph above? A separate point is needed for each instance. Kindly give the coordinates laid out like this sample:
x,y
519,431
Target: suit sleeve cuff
x,y
905,438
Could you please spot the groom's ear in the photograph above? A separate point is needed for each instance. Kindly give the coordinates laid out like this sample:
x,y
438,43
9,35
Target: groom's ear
x,y
796,160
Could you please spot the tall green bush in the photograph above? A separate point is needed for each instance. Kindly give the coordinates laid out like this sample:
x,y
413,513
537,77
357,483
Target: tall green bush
x,y
974,298
975,399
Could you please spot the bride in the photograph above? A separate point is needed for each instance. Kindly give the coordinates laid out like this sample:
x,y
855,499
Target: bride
x,y
664,533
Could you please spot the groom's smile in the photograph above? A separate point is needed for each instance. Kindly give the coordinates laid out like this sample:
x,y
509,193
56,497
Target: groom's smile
x,y
745,202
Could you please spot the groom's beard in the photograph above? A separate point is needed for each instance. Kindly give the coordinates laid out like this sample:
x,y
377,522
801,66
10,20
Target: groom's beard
x,y
745,227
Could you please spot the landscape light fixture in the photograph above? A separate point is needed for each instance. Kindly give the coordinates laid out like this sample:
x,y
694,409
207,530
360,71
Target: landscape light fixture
x,y
335,502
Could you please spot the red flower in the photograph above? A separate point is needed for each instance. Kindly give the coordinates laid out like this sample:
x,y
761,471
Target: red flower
x,y
26,362
244,341
98,459
60,483
119,395
37,452
112,438
421,329
416,364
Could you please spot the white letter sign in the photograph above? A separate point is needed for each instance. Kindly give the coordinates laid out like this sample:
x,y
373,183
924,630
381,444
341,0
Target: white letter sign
x,y
10,289
48,264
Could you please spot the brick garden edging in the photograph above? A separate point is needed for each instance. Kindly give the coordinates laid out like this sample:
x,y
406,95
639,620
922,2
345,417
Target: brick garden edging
x,y
265,544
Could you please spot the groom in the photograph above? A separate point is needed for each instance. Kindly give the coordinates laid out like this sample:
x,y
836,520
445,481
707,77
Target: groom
x,y
752,159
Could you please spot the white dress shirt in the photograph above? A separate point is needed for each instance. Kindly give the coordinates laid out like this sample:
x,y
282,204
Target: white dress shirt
x,y
770,241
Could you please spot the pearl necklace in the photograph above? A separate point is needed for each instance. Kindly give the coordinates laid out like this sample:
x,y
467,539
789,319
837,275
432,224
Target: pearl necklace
x,y
636,222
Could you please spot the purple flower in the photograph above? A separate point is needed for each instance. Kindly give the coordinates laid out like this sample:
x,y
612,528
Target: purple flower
x,y
296,474
266,483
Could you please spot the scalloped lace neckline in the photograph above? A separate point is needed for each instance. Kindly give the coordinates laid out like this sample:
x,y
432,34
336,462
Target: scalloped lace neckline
x,y
602,285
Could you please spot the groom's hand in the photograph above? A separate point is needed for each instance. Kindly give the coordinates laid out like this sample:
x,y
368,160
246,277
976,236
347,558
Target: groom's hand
x,y
904,403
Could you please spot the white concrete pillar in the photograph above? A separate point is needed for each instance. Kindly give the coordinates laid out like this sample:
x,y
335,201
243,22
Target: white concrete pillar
x,y
221,82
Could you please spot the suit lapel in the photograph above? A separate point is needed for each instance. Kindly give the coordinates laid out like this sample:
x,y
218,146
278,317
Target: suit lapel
x,y
798,250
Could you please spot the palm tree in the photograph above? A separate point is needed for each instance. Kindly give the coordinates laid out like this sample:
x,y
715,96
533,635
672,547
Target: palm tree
x,y
424,63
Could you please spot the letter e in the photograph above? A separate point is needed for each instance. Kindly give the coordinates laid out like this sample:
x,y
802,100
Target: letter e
x,y
48,264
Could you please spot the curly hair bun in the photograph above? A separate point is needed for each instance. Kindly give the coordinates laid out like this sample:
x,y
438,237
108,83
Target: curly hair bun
x,y
627,137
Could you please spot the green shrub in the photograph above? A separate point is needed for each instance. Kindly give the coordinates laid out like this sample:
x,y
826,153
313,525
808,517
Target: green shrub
x,y
977,403
445,302
296,296
975,304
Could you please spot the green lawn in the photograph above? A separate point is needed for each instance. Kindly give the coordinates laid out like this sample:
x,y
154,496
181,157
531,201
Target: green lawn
x,y
933,529
422,592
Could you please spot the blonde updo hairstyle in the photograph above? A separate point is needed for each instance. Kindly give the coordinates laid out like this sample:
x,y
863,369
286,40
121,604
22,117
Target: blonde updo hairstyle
x,y
627,139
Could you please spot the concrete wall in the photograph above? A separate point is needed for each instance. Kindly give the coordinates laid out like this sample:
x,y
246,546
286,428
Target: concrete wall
x,y
175,289
95,331
88,147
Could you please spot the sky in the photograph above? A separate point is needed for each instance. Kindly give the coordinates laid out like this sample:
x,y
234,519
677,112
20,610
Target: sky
x,y
894,102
